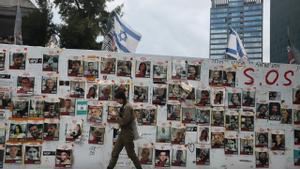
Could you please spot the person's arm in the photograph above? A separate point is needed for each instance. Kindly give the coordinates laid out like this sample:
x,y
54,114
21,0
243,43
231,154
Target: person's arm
x,y
127,116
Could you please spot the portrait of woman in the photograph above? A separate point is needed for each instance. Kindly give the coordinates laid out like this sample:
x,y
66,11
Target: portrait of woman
x,y
218,98
296,98
286,116
203,135
194,72
261,139
234,100
92,92
143,69
215,78
262,111
278,142
17,131
202,98
63,158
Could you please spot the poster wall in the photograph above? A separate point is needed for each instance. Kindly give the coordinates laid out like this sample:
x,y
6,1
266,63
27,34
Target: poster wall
x,y
57,110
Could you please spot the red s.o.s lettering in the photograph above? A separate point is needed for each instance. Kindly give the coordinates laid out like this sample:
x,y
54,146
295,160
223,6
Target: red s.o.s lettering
x,y
287,78
251,79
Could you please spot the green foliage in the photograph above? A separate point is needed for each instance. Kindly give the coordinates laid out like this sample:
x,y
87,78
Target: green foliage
x,y
37,26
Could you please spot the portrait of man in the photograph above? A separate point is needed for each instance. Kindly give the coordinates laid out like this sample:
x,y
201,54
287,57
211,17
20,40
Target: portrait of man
x,y
160,73
274,111
262,111
174,91
51,131
286,116
202,116
95,114
262,159
51,109
215,77
249,98
247,123
123,87
232,122
162,158
75,68
188,115
146,116
217,118
105,92
17,61
178,135
159,96
229,78
63,158
36,108
202,156
274,96
202,98
49,85
179,157
96,135
124,68
35,131
5,99
2,61
141,94
13,154
261,139
77,89
32,155
163,134
179,69
217,139
108,65
296,116
67,106
50,63
25,85
231,146
145,155
246,146
21,108
173,112
91,69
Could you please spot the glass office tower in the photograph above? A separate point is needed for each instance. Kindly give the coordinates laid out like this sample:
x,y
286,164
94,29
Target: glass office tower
x,y
246,17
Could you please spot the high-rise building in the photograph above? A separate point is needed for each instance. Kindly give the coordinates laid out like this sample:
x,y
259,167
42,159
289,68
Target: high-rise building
x,y
284,18
244,16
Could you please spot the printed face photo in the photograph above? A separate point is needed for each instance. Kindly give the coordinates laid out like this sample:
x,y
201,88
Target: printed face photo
x,y
286,116
105,92
49,85
175,92
140,94
5,99
112,113
2,135
177,135
108,65
179,157
217,139
77,89
203,135
50,63
296,96
232,122
194,72
35,131
231,146
63,158
278,142
17,61
247,123
297,137
262,111
142,69
202,156
159,96
246,146
91,69
17,131
215,78
173,112
261,139
51,110
188,115
274,96
92,92
296,116
218,98
203,116
21,108
249,98
2,61
160,73
32,155
13,154
234,100
217,118
146,116
179,70
297,157
163,134
25,85
262,159
67,106
274,111
124,68
145,155
162,158
95,114
51,131
96,135
75,68
36,108
229,78
202,98
121,88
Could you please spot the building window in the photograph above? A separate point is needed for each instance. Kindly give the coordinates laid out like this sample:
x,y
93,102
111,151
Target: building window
x,y
218,36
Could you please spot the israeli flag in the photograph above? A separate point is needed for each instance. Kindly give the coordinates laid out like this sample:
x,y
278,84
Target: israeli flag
x,y
125,37
235,46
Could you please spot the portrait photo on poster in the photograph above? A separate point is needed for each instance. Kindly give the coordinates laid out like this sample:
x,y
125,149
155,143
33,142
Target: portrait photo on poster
x,y
90,69
36,108
202,156
49,85
160,72
25,85
75,68
124,68
145,155
143,69
162,158
17,61
108,65
32,154
96,135
50,63
179,157
13,153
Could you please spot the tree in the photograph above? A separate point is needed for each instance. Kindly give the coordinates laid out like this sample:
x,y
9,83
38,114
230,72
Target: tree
x,y
83,22
37,26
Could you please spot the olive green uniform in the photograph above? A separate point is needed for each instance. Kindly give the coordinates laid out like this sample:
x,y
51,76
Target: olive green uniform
x,y
125,138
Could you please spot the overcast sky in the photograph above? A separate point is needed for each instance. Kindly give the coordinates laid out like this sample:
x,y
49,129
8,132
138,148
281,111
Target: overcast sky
x,y
175,27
